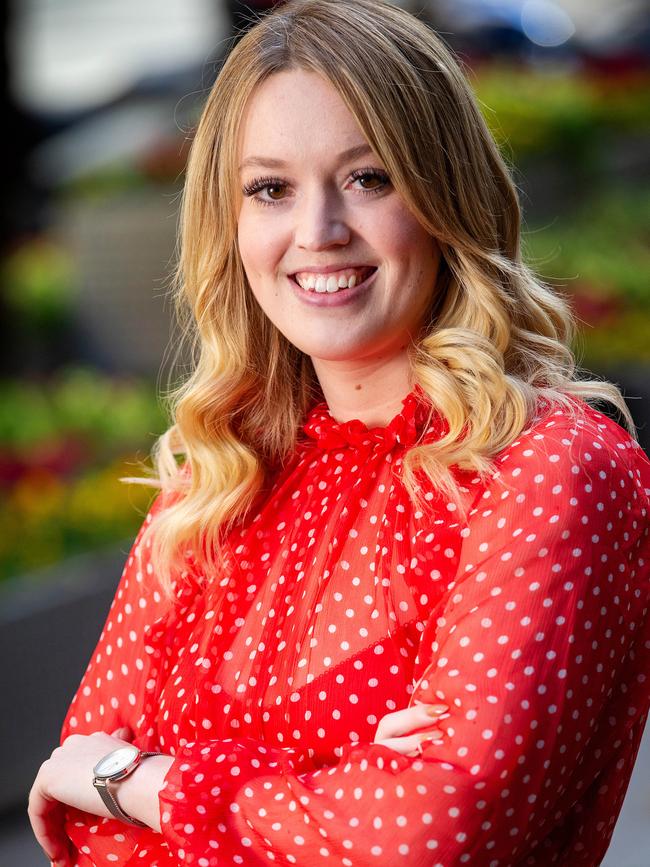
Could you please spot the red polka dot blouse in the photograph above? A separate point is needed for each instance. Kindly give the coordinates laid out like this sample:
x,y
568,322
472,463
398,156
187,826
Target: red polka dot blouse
x,y
342,602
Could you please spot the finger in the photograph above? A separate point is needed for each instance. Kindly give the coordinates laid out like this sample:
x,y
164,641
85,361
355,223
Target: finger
x,y
436,706
47,819
426,740
124,732
405,745
402,722
49,838
411,744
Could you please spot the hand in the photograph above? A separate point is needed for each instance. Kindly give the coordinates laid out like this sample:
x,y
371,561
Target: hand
x,y
65,780
405,731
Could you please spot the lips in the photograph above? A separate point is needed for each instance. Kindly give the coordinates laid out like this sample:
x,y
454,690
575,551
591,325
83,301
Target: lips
x,y
340,297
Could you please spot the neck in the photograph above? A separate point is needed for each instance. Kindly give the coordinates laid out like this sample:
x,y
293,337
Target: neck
x,y
369,390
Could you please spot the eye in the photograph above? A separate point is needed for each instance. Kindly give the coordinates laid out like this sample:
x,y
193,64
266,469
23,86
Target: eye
x,y
371,180
273,188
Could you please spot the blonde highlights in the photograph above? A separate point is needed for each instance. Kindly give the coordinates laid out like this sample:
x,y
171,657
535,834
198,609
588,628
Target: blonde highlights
x,y
496,339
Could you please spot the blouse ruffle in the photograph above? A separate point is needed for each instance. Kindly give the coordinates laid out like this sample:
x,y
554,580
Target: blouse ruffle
x,y
416,418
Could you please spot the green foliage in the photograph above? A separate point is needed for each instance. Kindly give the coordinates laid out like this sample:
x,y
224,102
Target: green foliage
x,y
563,112
601,256
39,282
620,339
527,113
109,414
602,247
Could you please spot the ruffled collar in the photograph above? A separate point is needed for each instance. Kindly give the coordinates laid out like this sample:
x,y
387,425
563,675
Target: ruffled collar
x,y
417,420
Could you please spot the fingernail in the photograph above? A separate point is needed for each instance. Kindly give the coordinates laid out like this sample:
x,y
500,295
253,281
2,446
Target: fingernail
x,y
436,709
436,734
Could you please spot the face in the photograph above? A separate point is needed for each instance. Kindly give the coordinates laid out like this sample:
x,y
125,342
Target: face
x,y
333,256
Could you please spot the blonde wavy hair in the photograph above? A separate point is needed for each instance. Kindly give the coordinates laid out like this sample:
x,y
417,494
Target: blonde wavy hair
x,y
496,339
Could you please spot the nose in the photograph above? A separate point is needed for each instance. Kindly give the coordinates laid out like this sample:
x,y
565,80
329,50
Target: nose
x,y
320,222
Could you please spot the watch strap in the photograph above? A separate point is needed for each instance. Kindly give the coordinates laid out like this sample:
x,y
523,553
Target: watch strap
x,y
110,800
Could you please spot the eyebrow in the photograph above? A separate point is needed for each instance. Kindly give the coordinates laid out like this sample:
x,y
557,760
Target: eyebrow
x,y
272,162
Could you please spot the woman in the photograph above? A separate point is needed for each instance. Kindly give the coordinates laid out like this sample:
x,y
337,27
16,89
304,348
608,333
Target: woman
x,y
391,607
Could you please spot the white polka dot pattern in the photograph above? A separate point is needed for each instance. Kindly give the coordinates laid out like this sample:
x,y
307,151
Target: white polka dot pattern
x,y
342,602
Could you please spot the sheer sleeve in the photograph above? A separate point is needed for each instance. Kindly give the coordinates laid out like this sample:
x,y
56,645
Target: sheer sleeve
x,y
113,689
534,648
118,689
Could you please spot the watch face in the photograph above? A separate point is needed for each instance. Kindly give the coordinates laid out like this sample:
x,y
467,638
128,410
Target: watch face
x,y
115,762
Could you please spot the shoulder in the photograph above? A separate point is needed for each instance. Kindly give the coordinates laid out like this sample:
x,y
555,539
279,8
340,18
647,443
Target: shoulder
x,y
569,497
568,468
575,447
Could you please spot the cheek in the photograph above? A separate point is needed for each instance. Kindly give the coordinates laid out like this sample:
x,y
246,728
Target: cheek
x,y
415,247
401,239
248,250
261,245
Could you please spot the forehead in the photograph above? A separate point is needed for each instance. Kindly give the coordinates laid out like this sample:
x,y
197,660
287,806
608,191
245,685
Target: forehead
x,y
296,113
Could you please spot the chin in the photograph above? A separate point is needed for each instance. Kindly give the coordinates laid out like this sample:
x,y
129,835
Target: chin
x,y
329,351
349,356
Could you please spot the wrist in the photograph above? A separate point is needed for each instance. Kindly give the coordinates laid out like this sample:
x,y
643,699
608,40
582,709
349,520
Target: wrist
x,y
137,794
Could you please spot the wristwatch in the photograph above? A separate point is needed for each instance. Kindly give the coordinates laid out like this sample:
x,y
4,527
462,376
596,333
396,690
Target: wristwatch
x,y
115,766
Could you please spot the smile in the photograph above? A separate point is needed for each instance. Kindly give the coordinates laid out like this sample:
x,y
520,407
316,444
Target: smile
x,y
334,281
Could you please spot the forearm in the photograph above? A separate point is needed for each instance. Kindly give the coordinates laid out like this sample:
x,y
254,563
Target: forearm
x,y
137,795
263,803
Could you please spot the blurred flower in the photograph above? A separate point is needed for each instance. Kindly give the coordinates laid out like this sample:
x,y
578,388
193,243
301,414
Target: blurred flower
x,y
64,445
43,519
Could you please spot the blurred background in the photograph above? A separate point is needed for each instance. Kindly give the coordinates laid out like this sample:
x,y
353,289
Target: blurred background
x,y
100,99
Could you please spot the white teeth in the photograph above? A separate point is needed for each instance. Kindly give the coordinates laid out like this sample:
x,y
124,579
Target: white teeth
x,y
328,283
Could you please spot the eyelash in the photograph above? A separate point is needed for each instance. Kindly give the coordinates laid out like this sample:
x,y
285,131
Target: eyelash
x,y
260,184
